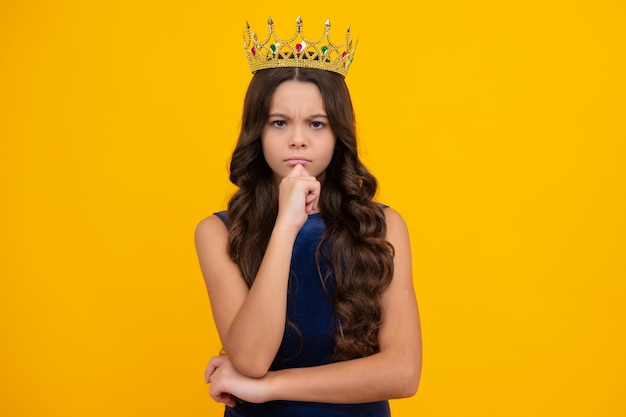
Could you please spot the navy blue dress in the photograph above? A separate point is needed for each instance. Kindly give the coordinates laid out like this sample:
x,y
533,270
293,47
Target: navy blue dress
x,y
310,309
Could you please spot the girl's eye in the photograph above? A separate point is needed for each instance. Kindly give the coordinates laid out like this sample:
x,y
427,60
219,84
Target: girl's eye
x,y
317,125
278,123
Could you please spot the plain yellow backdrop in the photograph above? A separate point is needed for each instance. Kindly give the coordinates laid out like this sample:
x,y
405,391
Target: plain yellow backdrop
x,y
497,128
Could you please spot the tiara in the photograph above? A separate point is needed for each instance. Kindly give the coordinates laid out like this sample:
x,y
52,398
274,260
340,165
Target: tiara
x,y
298,51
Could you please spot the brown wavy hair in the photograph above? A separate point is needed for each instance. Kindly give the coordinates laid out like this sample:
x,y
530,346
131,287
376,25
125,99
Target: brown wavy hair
x,y
354,240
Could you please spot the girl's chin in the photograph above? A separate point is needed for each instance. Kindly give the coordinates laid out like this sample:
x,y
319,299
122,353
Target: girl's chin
x,y
278,176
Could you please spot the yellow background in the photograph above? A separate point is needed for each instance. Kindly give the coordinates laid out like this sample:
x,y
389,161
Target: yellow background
x,y
497,128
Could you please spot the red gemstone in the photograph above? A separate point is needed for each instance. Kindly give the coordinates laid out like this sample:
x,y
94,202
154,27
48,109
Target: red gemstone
x,y
298,47
343,55
253,51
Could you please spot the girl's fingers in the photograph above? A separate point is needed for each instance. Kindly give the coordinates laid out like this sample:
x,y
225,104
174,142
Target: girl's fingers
x,y
222,397
312,198
299,195
304,172
214,363
298,171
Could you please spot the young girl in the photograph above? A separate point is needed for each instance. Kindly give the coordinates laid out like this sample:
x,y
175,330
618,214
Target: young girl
x,y
309,279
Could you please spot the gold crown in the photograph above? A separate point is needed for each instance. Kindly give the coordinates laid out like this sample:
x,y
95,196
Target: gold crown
x,y
298,51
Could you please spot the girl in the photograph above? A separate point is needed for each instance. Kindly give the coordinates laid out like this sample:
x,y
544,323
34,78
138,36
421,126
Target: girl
x,y
309,279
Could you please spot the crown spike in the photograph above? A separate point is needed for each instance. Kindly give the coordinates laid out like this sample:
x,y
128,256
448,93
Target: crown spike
x,y
299,21
327,27
270,21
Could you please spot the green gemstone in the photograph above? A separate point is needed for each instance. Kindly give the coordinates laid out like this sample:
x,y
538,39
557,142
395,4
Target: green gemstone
x,y
324,49
273,47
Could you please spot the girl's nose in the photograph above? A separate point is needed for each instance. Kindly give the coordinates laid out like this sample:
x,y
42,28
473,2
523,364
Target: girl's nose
x,y
297,140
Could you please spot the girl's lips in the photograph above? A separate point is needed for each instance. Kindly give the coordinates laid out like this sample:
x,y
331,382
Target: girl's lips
x,y
295,161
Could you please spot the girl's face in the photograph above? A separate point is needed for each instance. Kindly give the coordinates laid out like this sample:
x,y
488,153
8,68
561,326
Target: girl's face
x,y
297,130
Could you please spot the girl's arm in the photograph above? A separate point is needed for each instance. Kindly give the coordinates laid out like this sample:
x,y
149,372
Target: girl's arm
x,y
394,372
251,322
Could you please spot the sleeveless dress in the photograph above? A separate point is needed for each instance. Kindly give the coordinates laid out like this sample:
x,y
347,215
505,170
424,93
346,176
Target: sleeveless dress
x,y
309,308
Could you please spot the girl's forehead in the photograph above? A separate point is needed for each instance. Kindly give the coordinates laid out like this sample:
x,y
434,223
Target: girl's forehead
x,y
296,95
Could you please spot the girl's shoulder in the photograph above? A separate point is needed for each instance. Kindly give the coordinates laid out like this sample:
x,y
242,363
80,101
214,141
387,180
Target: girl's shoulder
x,y
392,217
396,224
212,226
223,216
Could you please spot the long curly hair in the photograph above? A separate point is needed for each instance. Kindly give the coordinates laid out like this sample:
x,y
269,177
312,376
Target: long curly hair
x,y
353,243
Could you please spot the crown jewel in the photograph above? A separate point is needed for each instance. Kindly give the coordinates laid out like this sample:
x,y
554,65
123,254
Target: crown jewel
x,y
298,51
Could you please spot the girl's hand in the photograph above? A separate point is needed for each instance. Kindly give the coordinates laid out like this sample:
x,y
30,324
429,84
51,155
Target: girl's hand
x,y
298,196
228,385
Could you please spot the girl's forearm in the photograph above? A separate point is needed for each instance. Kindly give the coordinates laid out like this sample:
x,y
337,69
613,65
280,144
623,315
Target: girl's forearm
x,y
378,377
257,331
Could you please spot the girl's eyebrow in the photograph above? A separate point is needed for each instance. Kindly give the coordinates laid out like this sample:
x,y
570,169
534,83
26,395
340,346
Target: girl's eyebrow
x,y
281,115
313,116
